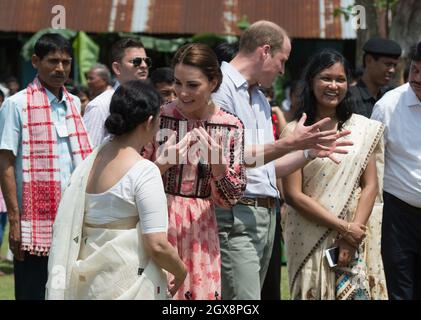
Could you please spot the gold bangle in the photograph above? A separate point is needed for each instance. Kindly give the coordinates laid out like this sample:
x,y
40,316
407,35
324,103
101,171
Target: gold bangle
x,y
348,227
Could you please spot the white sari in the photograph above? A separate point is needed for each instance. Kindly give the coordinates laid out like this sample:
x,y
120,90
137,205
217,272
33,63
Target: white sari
x,y
98,262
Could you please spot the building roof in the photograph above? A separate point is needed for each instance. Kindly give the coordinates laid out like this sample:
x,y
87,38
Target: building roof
x,y
301,18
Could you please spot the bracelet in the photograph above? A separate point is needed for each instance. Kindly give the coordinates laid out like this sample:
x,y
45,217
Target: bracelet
x,y
348,228
307,155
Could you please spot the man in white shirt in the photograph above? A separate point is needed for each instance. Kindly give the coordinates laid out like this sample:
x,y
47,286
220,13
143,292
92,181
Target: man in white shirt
x,y
400,111
98,79
129,62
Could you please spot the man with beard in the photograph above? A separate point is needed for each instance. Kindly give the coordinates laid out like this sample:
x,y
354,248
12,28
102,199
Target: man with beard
x,y
400,111
129,62
379,62
42,140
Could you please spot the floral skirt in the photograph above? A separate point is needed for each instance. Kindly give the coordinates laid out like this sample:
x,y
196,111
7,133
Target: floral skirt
x,y
193,231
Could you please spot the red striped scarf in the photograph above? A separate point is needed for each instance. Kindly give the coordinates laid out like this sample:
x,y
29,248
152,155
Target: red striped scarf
x,y
40,163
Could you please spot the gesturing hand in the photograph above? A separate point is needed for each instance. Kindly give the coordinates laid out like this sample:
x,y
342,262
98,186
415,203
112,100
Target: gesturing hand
x,y
211,149
329,149
310,137
172,153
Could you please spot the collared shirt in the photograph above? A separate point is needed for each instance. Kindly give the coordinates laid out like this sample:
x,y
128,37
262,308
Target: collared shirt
x,y
363,99
95,115
252,107
11,134
400,111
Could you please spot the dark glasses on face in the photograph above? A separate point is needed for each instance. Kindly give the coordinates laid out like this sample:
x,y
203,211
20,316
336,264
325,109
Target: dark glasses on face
x,y
138,61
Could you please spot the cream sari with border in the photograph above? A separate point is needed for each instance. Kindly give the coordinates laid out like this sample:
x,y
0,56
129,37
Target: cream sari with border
x,y
98,261
337,188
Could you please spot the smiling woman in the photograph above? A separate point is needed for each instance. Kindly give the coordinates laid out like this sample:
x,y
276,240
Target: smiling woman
x,y
334,204
194,180
330,87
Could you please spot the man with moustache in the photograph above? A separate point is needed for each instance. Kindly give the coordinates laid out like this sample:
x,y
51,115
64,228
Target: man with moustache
x,y
400,111
379,62
42,140
129,62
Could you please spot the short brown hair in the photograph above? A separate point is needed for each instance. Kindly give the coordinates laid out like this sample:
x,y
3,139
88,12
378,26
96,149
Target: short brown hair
x,y
201,56
260,33
118,48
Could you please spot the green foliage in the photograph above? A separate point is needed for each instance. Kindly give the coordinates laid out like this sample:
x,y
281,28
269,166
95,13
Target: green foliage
x,y
157,44
86,53
384,4
346,11
243,23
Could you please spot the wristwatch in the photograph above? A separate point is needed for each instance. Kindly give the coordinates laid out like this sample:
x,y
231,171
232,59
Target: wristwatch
x,y
307,155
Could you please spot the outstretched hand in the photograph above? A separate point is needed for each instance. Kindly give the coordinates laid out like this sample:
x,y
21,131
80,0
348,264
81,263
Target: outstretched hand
x,y
329,149
310,137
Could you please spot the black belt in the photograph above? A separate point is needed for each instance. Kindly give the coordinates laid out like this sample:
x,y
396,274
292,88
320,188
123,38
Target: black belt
x,y
267,202
402,204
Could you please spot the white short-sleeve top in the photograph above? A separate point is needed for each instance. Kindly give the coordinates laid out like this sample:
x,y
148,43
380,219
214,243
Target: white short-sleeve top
x,y
139,192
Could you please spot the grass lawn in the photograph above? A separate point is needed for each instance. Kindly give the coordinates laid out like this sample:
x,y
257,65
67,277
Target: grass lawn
x,y
284,284
7,291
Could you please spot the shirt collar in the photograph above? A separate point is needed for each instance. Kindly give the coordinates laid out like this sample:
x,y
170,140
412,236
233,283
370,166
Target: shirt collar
x,y
365,94
236,77
411,100
53,99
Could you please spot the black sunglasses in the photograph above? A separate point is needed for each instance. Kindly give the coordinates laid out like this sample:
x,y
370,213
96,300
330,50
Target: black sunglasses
x,y
138,61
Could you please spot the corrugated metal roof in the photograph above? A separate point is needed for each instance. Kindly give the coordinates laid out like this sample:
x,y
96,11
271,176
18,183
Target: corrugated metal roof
x,y
301,18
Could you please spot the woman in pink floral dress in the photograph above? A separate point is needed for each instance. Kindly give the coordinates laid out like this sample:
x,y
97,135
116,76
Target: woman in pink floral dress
x,y
202,166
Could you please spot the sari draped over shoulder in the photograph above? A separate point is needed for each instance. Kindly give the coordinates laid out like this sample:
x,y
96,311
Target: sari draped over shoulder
x,y
337,188
106,261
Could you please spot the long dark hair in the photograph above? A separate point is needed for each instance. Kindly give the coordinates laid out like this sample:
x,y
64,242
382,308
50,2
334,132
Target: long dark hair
x,y
306,100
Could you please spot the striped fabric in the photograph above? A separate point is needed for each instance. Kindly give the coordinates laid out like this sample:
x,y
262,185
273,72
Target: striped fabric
x,y
41,171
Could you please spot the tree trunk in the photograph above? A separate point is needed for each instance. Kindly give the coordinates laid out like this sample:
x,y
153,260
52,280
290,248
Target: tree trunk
x,y
371,28
406,24
405,29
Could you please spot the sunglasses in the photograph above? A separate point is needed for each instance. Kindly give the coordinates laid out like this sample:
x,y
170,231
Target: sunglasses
x,y
138,61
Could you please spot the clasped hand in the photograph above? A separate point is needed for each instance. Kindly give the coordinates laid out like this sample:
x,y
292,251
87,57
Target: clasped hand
x,y
197,145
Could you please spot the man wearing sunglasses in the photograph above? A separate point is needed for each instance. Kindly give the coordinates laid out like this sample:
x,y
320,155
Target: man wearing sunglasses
x,y
129,62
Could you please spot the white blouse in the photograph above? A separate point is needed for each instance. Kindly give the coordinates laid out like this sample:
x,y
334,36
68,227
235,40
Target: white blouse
x,y
139,192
